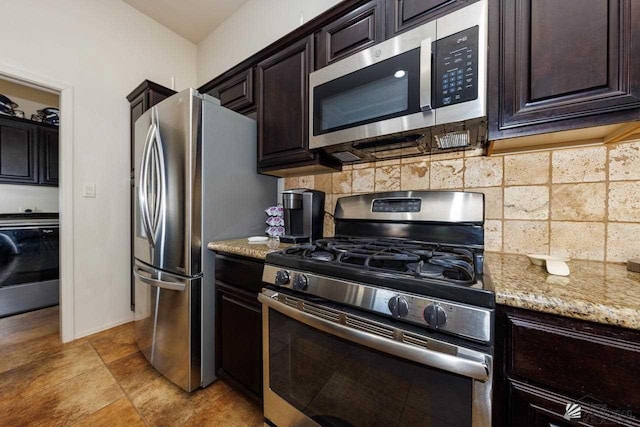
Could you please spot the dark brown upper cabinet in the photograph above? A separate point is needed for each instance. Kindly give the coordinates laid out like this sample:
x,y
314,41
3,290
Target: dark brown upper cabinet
x,y
357,30
48,147
403,15
561,65
283,106
237,92
18,153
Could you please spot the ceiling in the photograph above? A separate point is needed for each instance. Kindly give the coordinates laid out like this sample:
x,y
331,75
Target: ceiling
x,y
192,19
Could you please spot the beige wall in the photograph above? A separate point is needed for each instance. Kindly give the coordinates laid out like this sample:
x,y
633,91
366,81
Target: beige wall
x,y
583,203
254,26
103,49
17,198
28,98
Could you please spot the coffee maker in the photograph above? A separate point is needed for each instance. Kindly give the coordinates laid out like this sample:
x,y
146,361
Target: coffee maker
x,y
303,215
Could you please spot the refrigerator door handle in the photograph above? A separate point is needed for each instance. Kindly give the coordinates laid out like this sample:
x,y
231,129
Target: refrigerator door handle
x,y
148,277
142,185
159,175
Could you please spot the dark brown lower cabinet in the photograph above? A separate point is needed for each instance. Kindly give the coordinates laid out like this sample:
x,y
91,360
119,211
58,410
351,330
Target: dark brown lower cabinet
x,y
239,322
556,371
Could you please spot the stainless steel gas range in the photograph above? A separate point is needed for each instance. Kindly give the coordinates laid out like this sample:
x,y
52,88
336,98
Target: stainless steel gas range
x,y
388,323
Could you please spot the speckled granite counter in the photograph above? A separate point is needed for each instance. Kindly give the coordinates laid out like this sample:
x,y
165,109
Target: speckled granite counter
x,y
595,291
243,248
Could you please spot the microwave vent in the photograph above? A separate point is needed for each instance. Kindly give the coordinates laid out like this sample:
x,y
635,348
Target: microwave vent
x,y
346,156
453,140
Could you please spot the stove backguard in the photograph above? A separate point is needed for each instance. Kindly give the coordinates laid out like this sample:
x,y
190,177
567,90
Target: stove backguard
x,y
446,217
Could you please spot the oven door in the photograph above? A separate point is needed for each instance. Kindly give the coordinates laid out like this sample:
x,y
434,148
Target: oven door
x,y
382,90
330,368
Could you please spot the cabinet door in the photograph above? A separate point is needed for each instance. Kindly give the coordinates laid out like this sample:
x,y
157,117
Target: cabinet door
x,y
560,65
531,406
236,93
48,153
403,15
18,157
351,33
240,337
283,107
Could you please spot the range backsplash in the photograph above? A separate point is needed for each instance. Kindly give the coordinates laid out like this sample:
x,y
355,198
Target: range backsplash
x,y
581,202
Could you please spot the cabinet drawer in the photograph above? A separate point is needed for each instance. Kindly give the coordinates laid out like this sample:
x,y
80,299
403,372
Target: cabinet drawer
x,y
351,33
243,273
533,406
575,357
236,93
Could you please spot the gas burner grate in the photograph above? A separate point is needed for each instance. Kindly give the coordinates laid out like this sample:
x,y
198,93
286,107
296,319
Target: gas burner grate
x,y
404,257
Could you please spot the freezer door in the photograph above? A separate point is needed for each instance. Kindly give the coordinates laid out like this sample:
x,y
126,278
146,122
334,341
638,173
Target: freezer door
x,y
167,324
166,214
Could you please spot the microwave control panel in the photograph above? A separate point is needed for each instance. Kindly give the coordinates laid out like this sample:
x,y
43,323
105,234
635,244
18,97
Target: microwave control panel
x,y
456,68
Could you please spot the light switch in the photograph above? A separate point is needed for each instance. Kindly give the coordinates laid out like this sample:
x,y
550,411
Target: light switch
x,y
89,190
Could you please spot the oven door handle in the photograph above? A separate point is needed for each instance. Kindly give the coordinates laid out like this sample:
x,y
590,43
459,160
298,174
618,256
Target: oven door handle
x,y
425,74
478,370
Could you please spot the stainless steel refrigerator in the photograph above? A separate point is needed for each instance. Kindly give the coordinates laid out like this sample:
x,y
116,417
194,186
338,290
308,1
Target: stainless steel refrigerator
x,y
195,181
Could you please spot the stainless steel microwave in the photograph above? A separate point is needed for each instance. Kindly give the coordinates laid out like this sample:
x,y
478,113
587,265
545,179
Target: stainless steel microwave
x,y
432,75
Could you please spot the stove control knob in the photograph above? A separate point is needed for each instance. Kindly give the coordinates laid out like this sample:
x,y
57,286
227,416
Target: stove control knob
x,y
282,277
301,282
398,306
435,316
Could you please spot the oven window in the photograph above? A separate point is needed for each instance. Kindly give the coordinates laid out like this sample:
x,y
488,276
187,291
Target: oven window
x,y
339,383
381,91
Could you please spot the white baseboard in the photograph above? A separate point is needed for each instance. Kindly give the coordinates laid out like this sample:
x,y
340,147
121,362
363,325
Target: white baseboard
x,y
103,328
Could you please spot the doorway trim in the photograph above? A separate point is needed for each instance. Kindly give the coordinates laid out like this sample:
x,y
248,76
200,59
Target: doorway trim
x,y
65,187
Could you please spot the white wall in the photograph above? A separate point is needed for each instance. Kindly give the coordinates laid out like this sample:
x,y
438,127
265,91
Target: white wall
x,y
104,49
17,198
251,28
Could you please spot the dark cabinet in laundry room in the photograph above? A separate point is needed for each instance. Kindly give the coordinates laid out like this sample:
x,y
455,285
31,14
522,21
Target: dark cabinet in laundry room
x,y
48,147
28,152
18,151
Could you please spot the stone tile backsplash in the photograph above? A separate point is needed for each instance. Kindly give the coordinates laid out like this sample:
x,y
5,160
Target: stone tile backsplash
x,y
581,202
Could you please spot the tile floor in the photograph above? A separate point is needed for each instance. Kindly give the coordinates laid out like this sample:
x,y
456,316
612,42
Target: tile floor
x,y
100,380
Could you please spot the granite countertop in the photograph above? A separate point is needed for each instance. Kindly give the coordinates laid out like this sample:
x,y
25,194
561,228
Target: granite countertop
x,y
595,291
243,248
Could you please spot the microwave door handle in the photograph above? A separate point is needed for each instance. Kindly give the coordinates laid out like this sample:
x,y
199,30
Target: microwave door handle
x,y
426,54
476,369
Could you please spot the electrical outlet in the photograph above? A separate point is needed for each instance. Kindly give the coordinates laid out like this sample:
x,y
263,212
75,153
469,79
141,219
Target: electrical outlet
x,y
89,190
